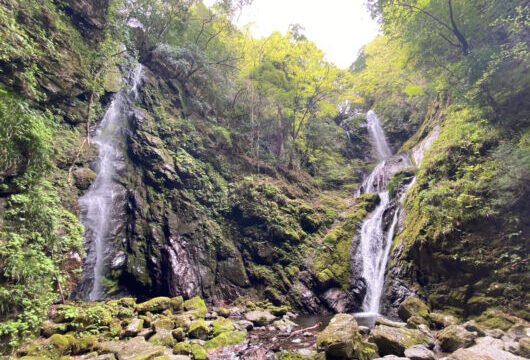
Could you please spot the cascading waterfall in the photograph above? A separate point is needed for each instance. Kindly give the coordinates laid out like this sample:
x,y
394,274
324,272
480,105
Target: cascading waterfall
x,y
375,242
99,206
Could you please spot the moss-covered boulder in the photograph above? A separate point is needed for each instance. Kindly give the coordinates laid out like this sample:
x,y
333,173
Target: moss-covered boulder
x,y
496,319
182,348
134,327
412,306
454,337
157,304
415,321
198,352
394,340
163,323
134,349
196,306
61,343
176,303
524,347
50,328
83,178
260,318
341,338
179,334
164,338
441,320
85,344
199,330
221,325
226,339
224,312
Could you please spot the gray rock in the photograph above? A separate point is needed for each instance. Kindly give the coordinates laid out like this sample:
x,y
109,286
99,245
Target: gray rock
x,y
364,330
341,338
394,341
487,348
392,357
260,318
244,325
133,328
419,352
454,337
391,323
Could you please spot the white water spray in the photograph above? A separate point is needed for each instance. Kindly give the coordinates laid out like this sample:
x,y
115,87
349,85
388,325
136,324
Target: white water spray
x,y
98,204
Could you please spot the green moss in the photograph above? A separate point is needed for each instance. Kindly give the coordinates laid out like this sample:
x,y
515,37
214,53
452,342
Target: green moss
x,y
226,339
154,305
196,306
199,329
198,352
85,344
182,348
221,325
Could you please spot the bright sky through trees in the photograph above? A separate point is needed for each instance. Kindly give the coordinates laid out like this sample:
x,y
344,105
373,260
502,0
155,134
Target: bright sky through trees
x,y
339,27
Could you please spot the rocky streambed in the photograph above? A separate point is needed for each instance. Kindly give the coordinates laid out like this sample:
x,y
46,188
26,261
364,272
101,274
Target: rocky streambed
x,y
170,328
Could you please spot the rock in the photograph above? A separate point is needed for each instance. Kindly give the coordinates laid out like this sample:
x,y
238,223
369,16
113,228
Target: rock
x,y
134,349
454,337
134,327
419,352
284,326
127,302
112,79
394,341
198,352
157,304
388,322
196,306
50,328
182,348
146,333
495,333
487,348
83,178
182,321
244,325
518,332
221,325
164,323
341,338
179,334
199,330
524,347
415,321
163,337
364,330
226,339
176,303
260,318
440,320
412,306
473,326
85,345
392,357
60,342
224,312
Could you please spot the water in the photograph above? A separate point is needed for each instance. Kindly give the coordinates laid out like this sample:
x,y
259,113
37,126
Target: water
x,y
98,205
378,136
375,243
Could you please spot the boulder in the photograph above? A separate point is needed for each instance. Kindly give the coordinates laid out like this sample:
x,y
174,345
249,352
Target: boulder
x,y
85,344
163,337
454,337
199,330
415,321
412,306
487,348
341,338
388,322
157,304
163,323
134,327
524,347
394,341
440,320
221,325
226,339
83,178
196,306
50,328
176,303
224,312
179,334
260,318
135,348
419,352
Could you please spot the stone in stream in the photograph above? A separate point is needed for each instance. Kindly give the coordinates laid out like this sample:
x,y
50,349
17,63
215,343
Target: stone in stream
x,y
341,339
260,318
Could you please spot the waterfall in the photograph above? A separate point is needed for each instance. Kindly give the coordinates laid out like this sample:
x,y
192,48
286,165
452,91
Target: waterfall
x,y
101,207
375,243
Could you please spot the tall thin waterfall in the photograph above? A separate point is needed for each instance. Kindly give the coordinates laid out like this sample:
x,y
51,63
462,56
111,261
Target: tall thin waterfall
x,y
375,243
99,207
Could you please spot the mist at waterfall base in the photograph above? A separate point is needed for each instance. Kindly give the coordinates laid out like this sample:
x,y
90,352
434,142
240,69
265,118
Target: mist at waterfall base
x,y
103,203
375,242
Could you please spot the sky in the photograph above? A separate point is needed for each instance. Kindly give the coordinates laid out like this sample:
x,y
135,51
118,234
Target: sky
x,y
339,27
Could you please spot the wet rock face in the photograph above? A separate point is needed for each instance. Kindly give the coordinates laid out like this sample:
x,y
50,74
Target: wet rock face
x,y
88,14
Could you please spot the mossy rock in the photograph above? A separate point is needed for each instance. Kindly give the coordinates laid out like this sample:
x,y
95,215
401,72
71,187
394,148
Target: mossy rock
x,y
127,302
179,334
440,320
164,323
196,306
183,321
226,339
221,325
157,304
182,348
413,306
224,312
199,330
341,338
60,342
176,303
454,337
163,338
83,178
415,321
85,344
250,305
477,304
50,328
198,352
394,340
125,313
495,319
